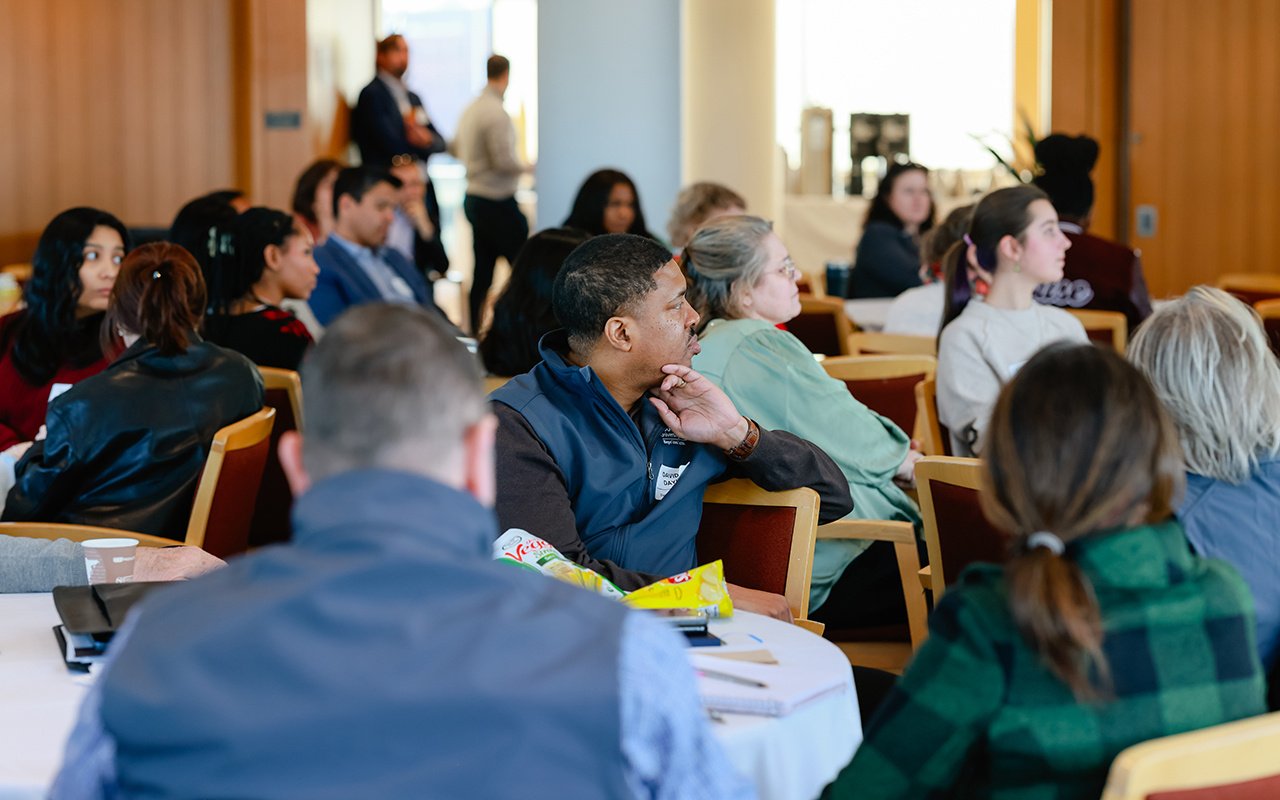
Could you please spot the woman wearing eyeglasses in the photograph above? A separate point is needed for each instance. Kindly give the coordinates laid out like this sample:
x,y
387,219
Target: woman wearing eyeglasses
x,y
743,284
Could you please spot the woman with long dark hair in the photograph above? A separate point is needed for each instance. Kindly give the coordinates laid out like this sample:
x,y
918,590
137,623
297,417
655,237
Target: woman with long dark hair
x,y
887,260
273,263
607,202
54,340
1014,238
125,448
1101,630
523,312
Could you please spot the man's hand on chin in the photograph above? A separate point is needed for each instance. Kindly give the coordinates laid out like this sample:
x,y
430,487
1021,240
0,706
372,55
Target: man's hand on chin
x,y
696,409
758,602
172,563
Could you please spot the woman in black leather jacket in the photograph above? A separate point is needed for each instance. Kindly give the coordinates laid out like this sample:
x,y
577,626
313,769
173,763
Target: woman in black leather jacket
x,y
125,448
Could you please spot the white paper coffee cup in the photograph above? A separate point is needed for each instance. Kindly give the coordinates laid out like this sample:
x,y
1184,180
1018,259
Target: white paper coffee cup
x,y
109,560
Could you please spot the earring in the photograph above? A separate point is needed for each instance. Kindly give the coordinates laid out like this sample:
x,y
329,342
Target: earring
x,y
1017,266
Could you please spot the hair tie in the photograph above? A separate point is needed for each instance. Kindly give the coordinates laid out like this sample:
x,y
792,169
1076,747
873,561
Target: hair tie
x,y
969,241
1048,541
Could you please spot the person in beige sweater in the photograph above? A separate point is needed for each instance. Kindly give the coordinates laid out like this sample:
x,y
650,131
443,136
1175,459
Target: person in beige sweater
x,y
1013,245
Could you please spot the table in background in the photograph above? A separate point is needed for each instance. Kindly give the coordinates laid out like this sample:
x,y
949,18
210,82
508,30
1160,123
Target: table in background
x,y
868,314
786,757
796,755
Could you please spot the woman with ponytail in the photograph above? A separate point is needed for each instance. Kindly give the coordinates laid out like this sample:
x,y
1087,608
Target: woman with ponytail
x,y
272,263
125,448
1015,243
1102,630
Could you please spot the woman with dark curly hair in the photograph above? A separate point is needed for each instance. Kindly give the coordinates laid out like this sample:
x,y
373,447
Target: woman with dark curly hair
x,y
608,202
53,341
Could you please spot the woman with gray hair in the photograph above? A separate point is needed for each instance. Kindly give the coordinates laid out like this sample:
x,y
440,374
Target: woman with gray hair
x,y
1208,358
742,282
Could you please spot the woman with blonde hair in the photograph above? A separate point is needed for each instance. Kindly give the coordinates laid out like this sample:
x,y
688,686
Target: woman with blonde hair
x,y
742,283
1102,630
1208,358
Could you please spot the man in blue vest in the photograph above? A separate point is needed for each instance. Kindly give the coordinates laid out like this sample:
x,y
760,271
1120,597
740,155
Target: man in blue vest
x,y
384,653
355,265
606,447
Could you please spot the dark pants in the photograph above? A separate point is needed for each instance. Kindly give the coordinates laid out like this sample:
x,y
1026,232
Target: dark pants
x,y
869,592
498,228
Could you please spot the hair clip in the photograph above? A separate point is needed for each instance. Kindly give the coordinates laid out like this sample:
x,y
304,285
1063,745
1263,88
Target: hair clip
x,y
1048,541
155,275
969,241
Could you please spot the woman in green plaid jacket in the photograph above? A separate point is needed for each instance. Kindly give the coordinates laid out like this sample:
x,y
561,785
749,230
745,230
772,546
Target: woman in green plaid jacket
x,y
1102,630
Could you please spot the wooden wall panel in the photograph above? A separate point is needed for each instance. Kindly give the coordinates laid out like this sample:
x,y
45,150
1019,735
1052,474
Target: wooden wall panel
x,y
1204,122
122,104
1085,92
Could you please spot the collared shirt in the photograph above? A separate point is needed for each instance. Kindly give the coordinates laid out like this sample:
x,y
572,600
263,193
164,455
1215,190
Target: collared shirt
x,y
390,285
399,92
978,714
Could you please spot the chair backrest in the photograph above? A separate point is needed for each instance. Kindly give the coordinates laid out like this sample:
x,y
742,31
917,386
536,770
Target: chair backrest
x,y
1269,310
764,538
935,439
956,531
229,485
1236,761
822,325
1251,287
1106,328
21,272
270,523
874,343
79,533
886,384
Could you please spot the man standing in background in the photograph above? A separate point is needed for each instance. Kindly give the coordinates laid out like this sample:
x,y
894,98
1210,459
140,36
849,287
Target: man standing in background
x,y
391,127
486,145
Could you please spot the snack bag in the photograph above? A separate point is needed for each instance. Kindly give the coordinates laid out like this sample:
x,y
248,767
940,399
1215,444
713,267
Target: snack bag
x,y
525,550
700,589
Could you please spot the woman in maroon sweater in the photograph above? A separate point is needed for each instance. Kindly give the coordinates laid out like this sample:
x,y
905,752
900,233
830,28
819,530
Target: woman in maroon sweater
x,y
54,340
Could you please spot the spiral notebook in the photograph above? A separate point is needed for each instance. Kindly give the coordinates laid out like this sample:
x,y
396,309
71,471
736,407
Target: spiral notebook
x,y
784,689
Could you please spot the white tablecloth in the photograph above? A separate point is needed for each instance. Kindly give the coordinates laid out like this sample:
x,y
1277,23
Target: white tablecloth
x,y
868,314
787,757
797,755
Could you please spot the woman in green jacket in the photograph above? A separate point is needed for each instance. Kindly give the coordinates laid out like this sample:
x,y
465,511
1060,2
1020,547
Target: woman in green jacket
x,y
743,285
1102,629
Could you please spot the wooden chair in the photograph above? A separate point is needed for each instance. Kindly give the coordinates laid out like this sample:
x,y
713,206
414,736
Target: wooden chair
x,y
822,325
79,533
1235,761
886,384
1106,328
935,440
271,523
1269,310
764,538
872,343
229,485
1251,287
873,648
956,531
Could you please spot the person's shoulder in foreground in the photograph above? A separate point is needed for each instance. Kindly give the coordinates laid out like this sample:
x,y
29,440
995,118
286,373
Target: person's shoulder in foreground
x,y
285,673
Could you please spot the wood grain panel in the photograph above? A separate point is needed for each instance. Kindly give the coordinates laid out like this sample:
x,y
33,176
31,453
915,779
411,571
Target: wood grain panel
x,y
125,105
1203,122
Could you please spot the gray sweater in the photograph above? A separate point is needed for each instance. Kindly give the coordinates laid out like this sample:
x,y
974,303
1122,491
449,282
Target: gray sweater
x,y
38,565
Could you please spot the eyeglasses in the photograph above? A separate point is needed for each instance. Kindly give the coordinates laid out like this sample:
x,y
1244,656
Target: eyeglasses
x,y
789,270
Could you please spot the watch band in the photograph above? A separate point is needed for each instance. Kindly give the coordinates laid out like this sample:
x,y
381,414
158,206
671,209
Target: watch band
x,y
748,444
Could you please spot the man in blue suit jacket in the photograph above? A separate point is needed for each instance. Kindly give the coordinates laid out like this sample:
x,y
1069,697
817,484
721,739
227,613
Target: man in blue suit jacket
x,y
355,267
390,126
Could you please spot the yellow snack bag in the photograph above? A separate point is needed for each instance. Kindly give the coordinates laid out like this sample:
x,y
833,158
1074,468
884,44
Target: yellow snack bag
x,y
700,589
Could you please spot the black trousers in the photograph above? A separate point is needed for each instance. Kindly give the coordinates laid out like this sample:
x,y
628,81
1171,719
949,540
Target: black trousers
x,y
498,228
869,592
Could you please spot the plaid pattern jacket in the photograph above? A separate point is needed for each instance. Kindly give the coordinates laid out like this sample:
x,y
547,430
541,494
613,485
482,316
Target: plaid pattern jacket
x,y
977,714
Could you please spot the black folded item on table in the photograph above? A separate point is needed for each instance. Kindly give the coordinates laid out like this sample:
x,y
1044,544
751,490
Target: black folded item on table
x,y
91,615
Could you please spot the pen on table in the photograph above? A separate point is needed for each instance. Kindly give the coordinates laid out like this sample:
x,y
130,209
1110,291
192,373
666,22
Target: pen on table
x,y
724,676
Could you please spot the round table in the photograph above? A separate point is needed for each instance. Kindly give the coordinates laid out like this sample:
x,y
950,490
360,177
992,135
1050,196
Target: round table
x,y
793,756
